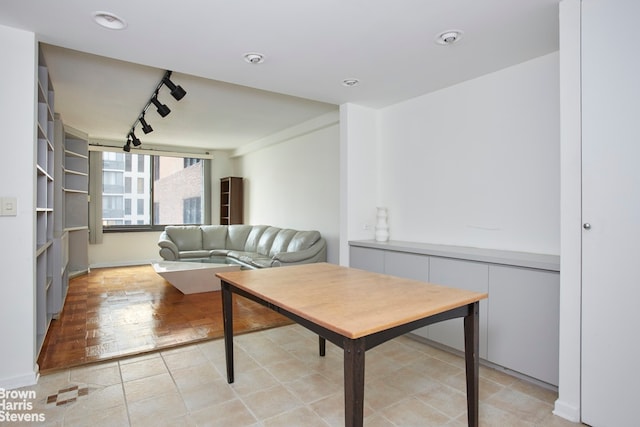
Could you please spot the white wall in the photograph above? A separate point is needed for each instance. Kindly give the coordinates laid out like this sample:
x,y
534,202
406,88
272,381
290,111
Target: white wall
x,y
477,164
125,249
359,166
294,181
17,179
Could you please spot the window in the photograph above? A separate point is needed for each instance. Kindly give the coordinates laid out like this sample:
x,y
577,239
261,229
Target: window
x,y
143,192
112,209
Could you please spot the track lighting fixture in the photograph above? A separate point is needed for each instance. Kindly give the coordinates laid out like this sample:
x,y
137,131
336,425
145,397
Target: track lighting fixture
x,y
162,109
176,91
146,128
134,139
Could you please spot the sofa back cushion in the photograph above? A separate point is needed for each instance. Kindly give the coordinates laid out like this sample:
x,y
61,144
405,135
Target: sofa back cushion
x,y
186,237
281,242
303,240
237,236
253,239
266,240
214,236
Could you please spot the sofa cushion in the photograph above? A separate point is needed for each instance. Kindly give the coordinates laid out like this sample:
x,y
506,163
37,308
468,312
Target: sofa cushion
x,y
214,236
303,240
194,254
251,245
237,236
186,237
281,242
266,240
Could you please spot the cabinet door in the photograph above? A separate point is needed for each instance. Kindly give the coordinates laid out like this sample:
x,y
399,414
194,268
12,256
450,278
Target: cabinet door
x,y
366,259
409,266
611,205
524,321
467,275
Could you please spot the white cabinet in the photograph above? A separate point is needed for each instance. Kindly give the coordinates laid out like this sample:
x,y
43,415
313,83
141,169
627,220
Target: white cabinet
x,y
367,259
524,307
473,276
410,266
610,175
519,322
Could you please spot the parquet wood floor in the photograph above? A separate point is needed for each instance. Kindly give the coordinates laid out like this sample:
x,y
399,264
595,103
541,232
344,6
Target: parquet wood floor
x,y
116,312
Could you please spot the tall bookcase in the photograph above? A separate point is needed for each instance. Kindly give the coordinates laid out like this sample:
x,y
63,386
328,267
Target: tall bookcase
x,y
76,199
44,171
231,200
71,240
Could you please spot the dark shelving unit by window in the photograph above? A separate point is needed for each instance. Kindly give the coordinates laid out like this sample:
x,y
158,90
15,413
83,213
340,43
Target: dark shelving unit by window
x,y
231,196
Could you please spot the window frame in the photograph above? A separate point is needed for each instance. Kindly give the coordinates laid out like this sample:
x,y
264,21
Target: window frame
x,y
152,172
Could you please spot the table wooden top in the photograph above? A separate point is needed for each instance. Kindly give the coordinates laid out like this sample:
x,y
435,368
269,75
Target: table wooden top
x,y
354,303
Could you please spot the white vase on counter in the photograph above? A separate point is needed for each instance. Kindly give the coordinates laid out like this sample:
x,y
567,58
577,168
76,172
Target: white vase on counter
x,y
382,225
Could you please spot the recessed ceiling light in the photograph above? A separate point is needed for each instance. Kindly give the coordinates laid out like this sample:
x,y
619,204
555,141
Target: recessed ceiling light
x,y
449,37
350,82
109,20
254,58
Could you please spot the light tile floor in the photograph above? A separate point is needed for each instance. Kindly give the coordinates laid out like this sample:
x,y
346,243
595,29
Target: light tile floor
x,y
281,381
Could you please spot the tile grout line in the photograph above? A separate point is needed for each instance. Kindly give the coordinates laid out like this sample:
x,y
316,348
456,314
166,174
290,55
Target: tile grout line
x,y
124,393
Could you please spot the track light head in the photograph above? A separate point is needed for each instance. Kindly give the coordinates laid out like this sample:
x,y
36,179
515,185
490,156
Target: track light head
x,y
134,139
162,109
127,146
176,91
146,128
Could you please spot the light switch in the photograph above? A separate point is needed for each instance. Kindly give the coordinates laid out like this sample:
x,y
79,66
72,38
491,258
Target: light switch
x,y
9,206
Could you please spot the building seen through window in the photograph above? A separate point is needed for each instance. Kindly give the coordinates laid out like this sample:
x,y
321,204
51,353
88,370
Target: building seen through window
x,y
144,190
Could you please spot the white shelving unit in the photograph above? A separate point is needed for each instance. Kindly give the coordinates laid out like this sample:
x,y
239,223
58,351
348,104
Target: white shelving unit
x,y
60,236
44,170
76,199
70,233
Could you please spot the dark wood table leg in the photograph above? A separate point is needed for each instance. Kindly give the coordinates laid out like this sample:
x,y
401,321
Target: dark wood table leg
x,y
227,315
322,345
472,362
353,382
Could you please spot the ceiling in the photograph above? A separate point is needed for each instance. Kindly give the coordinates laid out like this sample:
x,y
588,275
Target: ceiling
x,y
103,78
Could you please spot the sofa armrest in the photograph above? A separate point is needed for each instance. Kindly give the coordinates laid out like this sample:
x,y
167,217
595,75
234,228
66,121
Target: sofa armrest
x,y
316,253
168,249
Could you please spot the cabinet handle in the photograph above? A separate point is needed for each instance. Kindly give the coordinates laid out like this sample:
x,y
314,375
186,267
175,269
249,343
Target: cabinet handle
x,y
586,226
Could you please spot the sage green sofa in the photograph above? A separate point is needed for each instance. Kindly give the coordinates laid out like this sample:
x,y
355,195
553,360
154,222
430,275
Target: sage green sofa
x,y
257,246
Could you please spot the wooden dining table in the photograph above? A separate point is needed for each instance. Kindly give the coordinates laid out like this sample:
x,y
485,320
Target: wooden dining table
x,y
355,310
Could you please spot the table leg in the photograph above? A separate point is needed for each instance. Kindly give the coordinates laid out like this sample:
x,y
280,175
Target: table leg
x,y
227,315
353,382
472,362
322,345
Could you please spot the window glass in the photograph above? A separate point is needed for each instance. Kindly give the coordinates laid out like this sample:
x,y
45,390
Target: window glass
x,y
156,191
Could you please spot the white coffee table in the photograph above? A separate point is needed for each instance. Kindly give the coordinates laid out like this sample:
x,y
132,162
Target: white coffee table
x,y
194,276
